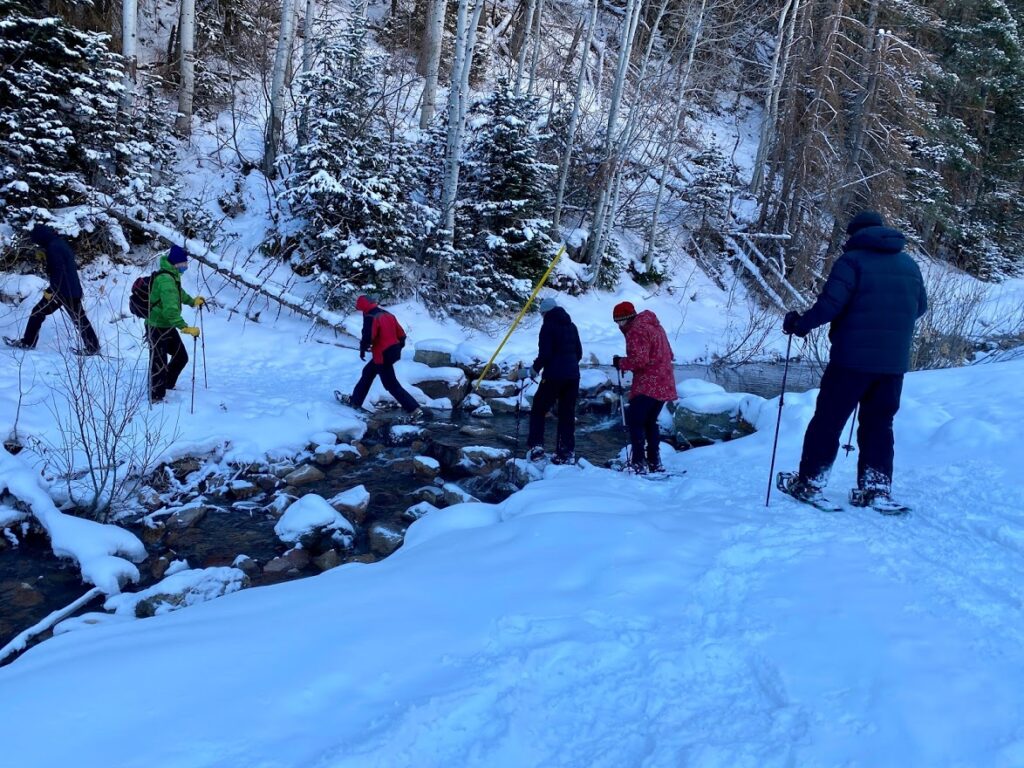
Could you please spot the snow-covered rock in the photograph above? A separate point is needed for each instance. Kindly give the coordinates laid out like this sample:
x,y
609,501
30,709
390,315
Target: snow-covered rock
x,y
178,589
308,519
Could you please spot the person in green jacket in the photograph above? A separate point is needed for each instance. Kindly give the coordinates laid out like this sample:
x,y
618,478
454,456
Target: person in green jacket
x,y
167,355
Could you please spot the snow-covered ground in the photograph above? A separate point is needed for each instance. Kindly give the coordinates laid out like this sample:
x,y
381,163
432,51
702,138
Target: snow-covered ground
x,y
596,619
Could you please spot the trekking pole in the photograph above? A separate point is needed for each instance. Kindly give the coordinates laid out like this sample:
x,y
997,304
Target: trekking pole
x,y
622,404
519,411
192,408
849,438
202,335
778,421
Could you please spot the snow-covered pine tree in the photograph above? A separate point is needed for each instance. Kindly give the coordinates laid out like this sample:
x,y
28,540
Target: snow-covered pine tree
x,y
63,140
360,230
503,228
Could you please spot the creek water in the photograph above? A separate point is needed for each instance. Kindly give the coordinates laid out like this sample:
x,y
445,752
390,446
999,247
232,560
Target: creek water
x,y
33,582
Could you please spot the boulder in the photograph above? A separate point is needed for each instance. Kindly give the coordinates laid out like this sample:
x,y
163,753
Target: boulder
x,y
425,466
436,353
416,511
481,459
453,494
430,494
474,431
247,565
353,504
325,456
405,434
507,404
304,476
483,412
186,516
496,388
442,384
385,539
267,482
243,489
309,521
329,559
279,504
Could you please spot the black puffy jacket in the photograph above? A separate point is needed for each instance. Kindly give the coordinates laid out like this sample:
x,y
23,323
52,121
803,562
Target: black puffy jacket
x,y
872,297
559,349
60,262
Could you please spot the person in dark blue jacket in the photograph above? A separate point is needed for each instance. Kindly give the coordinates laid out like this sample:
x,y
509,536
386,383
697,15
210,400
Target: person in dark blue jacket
x,y
558,364
64,292
872,298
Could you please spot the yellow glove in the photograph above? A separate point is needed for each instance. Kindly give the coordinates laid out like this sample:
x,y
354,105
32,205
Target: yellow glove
x,y
40,255
198,301
48,294
191,330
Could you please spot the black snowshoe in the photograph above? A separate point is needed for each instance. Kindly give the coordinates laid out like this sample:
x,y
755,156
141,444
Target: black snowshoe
x,y
878,499
791,485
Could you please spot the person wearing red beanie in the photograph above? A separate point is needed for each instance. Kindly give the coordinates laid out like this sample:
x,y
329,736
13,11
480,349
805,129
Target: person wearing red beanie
x,y
649,357
384,337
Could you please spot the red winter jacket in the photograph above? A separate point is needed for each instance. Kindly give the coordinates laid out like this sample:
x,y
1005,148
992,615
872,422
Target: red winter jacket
x,y
649,357
381,330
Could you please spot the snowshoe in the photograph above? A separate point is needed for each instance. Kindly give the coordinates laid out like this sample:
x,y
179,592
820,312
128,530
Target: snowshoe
x,y
342,398
878,500
791,485
564,458
536,453
419,416
87,352
16,343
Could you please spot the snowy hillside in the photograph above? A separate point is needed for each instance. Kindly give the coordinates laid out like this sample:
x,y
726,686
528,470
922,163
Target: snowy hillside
x,y
595,619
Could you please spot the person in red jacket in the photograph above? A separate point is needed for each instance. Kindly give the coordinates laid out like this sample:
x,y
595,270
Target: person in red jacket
x,y
384,337
649,357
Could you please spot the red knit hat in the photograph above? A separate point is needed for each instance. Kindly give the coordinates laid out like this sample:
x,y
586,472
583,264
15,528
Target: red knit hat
x,y
623,311
365,303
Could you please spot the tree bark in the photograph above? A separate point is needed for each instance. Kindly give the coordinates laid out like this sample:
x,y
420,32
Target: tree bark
x,y
433,34
307,64
186,90
129,47
574,120
275,118
521,55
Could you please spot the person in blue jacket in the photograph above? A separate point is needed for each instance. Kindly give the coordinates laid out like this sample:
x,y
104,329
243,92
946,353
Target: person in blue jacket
x,y
558,364
872,298
64,292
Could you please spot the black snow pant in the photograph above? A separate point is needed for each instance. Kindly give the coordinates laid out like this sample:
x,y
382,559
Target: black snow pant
x,y
841,390
642,420
74,308
167,359
386,371
551,391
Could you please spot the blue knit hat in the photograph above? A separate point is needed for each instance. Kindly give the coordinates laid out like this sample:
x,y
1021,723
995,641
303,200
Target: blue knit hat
x,y
864,219
547,305
178,255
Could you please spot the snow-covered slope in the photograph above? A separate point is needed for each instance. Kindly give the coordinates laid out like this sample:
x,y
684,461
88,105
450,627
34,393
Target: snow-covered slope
x,y
595,619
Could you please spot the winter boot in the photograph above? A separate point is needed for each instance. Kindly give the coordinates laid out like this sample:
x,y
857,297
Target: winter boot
x,y
564,458
417,417
535,453
637,467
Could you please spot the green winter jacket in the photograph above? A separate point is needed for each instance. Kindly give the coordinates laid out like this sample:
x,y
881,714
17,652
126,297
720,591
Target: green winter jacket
x,y
166,297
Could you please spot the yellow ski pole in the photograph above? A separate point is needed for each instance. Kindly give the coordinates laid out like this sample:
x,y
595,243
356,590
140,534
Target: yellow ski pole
x,y
526,306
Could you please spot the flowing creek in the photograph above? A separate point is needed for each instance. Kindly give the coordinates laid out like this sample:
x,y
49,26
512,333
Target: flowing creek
x,y
33,582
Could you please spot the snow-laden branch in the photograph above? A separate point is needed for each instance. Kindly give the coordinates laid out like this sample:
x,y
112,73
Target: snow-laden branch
x,y
18,644
201,252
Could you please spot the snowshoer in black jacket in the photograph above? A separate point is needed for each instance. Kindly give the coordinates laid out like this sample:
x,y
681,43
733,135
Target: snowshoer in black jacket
x,y
558,364
64,292
872,298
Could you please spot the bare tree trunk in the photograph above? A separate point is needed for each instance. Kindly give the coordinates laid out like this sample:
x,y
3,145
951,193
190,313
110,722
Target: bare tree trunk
x,y
307,64
574,121
771,99
465,39
536,47
129,47
275,120
677,123
186,90
521,55
433,35
609,171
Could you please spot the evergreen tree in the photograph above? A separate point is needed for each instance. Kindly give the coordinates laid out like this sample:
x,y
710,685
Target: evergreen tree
x,y
351,188
503,225
62,137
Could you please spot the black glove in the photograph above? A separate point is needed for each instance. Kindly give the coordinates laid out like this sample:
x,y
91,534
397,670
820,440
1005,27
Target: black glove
x,y
789,323
362,354
616,360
